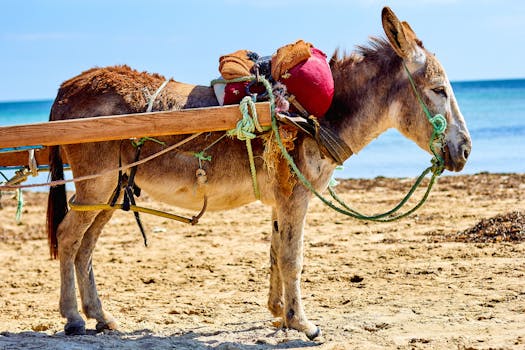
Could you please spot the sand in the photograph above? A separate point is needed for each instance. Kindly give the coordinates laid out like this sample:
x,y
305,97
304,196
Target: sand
x,y
425,282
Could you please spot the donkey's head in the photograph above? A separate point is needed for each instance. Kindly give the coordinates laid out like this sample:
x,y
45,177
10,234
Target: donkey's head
x,y
435,90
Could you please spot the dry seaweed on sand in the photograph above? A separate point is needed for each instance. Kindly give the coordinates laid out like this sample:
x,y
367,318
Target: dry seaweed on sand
x,y
508,227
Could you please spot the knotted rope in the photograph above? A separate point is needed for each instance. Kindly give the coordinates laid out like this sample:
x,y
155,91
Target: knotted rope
x,y
245,132
246,127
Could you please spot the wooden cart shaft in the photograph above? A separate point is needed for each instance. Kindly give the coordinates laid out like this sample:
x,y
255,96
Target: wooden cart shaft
x,y
118,127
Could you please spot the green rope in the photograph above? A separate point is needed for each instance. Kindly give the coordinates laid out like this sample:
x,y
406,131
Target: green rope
x,y
389,215
140,142
235,80
345,210
246,127
19,206
201,156
438,122
439,125
245,131
253,171
19,199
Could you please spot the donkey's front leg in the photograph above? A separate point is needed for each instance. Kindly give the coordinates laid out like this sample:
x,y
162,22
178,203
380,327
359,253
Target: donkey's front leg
x,y
275,297
291,217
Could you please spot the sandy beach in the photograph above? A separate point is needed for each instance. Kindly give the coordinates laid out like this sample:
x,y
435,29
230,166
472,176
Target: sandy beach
x,y
451,276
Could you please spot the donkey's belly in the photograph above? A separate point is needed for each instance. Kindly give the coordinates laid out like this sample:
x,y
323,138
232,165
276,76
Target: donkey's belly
x,y
226,180
191,196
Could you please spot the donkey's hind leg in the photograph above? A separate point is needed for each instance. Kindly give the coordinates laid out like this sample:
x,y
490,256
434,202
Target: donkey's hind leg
x,y
91,304
69,235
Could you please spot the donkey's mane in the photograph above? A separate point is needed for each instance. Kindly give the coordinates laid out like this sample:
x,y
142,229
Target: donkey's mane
x,y
358,72
377,50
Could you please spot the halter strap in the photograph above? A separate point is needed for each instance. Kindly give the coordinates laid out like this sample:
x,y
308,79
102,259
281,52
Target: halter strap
x,y
439,125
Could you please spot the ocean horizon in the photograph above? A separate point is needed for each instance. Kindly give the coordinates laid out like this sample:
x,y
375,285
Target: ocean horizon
x,y
493,109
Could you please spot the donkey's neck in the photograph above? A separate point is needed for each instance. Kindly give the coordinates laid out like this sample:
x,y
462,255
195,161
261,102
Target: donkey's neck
x,y
361,109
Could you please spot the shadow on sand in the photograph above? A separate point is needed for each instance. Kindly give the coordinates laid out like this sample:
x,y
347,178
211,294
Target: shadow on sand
x,y
253,338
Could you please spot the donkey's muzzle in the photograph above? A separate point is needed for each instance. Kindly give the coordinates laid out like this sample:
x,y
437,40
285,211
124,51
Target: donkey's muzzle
x,y
456,157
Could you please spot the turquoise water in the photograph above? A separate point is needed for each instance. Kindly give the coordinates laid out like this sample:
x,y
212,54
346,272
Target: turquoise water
x,y
12,113
494,111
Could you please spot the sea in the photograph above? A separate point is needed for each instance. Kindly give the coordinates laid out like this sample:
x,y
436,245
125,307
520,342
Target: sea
x,y
494,111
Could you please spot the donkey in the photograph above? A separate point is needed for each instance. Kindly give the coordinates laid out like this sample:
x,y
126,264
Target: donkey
x,y
372,94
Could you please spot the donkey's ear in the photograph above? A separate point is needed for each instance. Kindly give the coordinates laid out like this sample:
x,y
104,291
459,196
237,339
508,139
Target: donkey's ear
x,y
409,32
402,38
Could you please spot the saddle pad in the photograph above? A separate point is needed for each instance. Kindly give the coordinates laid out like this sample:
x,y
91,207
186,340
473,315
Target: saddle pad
x,y
307,76
311,82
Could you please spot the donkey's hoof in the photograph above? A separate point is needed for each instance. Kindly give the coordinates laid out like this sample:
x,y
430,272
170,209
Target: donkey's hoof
x,y
102,326
75,328
312,335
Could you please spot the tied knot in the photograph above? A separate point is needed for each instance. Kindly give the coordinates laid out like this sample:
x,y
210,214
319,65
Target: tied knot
x,y
245,129
439,123
437,166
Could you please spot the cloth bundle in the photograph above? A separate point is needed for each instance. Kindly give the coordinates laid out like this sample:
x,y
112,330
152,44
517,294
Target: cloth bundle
x,y
300,66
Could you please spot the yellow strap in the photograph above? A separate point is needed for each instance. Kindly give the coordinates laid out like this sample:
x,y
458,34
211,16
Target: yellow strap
x,y
89,207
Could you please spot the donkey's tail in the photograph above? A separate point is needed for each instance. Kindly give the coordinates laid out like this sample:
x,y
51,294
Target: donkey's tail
x,y
56,201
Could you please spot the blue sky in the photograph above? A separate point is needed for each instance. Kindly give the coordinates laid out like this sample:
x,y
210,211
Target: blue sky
x,y
43,43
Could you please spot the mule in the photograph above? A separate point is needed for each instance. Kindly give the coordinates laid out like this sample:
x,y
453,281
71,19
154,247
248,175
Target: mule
x,y
372,94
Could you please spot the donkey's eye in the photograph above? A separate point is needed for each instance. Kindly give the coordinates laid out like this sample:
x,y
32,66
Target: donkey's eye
x,y
440,90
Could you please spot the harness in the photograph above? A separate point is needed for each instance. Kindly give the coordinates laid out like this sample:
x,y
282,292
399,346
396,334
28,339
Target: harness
x,y
330,144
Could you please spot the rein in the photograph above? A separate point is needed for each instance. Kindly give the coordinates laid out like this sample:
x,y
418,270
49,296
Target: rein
x,y
439,125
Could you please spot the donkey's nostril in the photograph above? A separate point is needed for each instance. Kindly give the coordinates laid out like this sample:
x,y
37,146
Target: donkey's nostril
x,y
466,151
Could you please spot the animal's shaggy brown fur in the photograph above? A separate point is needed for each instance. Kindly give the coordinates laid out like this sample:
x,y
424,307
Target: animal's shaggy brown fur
x,y
119,80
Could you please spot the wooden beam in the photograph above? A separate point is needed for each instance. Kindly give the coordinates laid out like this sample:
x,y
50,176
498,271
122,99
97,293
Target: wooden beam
x,y
187,121
18,159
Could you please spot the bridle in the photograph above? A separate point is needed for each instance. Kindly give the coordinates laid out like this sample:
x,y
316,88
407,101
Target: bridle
x,y
439,125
